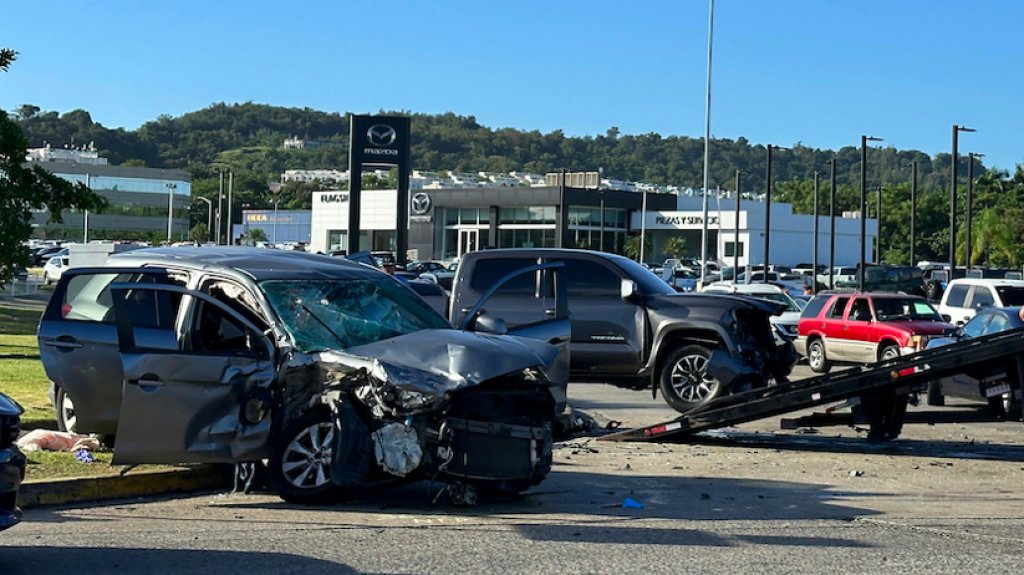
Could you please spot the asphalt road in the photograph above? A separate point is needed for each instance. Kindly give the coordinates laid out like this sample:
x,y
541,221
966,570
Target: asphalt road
x,y
941,499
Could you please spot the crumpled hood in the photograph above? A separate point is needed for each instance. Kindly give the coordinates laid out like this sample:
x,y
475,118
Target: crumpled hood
x,y
460,357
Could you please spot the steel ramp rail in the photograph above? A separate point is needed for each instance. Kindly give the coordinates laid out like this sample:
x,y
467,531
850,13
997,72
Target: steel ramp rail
x,y
890,378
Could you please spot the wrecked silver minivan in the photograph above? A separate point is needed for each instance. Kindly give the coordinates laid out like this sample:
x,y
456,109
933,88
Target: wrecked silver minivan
x,y
334,373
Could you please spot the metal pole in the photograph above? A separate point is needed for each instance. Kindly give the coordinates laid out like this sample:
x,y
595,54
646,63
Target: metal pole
x,y
85,229
832,225
970,202
600,239
231,189
220,206
952,204
170,209
863,205
736,234
767,212
913,211
643,223
209,216
707,150
814,252
878,233
273,239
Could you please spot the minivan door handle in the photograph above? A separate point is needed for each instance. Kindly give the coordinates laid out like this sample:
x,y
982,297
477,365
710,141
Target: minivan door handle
x,y
63,342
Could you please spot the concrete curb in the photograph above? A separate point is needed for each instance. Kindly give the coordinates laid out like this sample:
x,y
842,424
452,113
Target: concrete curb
x,y
76,490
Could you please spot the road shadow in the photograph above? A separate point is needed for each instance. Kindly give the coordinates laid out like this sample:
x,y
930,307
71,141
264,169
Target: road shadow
x,y
49,558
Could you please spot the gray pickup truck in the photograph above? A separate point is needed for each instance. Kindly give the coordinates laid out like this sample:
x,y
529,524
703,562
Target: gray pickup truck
x,y
630,328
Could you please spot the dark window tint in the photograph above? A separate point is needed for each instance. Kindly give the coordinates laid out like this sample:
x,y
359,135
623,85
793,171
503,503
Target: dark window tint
x,y
1011,296
488,271
154,309
814,306
861,310
957,296
838,307
982,296
591,279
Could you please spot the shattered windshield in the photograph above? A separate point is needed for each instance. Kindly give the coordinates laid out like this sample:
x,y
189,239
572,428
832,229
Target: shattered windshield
x,y
339,314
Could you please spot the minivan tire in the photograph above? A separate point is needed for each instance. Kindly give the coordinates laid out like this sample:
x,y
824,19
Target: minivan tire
x,y
64,409
299,469
684,378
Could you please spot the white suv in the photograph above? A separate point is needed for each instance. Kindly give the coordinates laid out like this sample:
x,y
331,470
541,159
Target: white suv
x,y
964,297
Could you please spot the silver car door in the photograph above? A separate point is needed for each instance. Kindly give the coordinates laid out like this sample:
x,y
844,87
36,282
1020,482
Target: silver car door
x,y
190,395
78,343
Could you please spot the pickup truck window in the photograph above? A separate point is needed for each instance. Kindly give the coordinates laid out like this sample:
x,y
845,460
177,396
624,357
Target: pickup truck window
x,y
649,283
488,271
590,279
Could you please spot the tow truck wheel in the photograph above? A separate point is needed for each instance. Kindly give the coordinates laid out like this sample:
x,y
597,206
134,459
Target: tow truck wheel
x,y
816,358
684,378
300,460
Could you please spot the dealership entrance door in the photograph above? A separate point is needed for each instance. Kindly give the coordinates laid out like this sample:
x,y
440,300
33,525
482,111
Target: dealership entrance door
x,y
469,241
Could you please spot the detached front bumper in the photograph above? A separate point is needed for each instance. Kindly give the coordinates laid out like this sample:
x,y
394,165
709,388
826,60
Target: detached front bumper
x,y
12,472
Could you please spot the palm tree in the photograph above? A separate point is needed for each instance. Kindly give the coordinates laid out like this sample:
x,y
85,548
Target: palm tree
x,y
675,247
993,240
632,247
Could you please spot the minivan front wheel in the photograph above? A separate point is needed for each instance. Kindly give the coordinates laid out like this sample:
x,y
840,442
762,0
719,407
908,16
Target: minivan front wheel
x,y
684,378
65,411
300,460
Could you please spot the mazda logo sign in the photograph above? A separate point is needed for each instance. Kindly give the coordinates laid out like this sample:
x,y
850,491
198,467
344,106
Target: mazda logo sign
x,y
381,135
420,203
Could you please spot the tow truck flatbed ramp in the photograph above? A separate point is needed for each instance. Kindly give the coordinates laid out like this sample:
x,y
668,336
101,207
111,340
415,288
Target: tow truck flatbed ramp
x,y
880,389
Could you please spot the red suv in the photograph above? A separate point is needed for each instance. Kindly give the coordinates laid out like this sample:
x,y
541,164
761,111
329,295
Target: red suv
x,y
856,327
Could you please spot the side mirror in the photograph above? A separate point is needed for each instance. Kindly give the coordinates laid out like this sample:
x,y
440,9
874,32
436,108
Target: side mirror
x,y
946,317
489,324
627,289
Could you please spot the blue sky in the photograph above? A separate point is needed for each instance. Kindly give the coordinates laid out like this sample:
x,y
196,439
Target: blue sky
x,y
819,72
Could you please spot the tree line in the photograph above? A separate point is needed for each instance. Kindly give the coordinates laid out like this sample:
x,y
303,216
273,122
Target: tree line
x,y
247,140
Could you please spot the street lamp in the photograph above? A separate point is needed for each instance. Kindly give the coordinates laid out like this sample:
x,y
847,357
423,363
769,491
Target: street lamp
x,y
814,252
913,211
209,215
170,208
273,234
832,224
878,233
952,200
736,232
768,209
864,202
970,200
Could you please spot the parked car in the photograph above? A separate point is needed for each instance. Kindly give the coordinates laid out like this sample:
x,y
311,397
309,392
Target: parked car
x,y
54,268
332,371
902,279
12,462
964,297
988,387
839,274
865,327
41,254
787,321
631,329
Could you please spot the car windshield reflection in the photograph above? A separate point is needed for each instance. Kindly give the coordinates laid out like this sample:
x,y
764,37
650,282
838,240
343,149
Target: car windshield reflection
x,y
339,314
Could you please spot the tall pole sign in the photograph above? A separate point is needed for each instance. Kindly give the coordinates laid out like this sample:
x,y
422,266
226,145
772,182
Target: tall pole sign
x,y
379,141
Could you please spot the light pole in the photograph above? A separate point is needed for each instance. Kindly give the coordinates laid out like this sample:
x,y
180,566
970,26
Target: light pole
x,y
768,210
209,215
814,252
736,233
707,151
878,233
913,211
952,199
273,234
170,208
864,202
85,219
970,200
832,225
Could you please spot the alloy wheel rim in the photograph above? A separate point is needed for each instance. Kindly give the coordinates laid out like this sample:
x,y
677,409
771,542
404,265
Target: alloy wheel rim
x,y
306,463
690,378
67,410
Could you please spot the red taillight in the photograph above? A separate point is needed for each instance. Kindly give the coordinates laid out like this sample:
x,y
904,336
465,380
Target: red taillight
x,y
65,310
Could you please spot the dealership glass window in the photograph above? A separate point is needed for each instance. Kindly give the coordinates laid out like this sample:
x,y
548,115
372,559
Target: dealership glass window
x,y
465,216
526,237
732,247
100,183
527,215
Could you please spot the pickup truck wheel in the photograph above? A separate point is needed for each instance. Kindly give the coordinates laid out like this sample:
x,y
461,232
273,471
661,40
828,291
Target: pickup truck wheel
x,y
816,358
888,352
684,378
934,396
300,460
65,410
